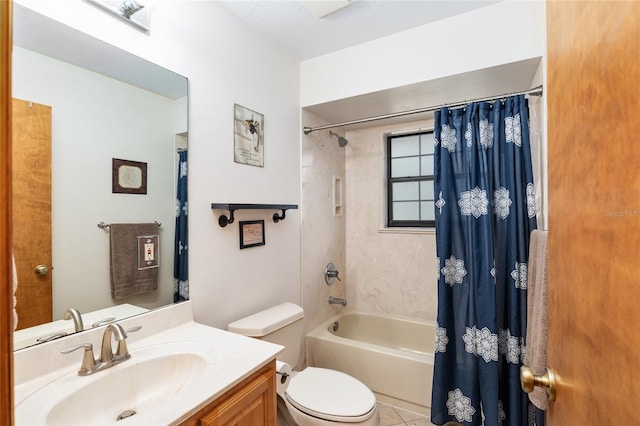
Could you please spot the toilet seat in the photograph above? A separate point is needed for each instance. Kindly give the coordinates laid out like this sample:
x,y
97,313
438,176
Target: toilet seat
x,y
330,395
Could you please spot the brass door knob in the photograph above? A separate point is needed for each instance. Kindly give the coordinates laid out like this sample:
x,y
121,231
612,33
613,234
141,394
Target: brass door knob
x,y
547,381
41,270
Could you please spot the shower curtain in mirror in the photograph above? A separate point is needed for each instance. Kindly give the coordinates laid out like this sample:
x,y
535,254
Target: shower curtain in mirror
x,y
485,211
181,249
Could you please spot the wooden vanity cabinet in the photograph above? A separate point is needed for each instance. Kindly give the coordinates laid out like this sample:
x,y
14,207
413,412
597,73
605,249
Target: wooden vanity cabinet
x,y
252,402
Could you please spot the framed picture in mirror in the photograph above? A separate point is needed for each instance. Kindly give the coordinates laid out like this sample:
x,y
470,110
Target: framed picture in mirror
x,y
128,177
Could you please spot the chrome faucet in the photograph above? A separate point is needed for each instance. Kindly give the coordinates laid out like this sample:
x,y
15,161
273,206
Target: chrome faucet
x,y
74,314
337,301
107,358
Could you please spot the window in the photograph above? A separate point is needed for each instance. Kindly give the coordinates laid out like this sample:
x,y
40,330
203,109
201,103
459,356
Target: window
x,y
410,200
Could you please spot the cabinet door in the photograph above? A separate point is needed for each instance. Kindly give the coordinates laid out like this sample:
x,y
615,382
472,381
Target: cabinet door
x,y
253,405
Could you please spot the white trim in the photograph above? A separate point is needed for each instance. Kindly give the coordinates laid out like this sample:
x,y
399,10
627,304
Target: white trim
x,y
400,230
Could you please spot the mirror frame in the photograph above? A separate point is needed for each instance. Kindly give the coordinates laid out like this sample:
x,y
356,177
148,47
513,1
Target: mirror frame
x,y
6,293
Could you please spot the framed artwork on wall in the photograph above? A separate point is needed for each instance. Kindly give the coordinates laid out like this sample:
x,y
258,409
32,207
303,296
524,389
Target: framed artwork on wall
x,y
128,177
251,233
248,136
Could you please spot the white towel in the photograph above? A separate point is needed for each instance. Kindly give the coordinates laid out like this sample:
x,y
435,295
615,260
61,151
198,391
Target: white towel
x,y
536,354
15,287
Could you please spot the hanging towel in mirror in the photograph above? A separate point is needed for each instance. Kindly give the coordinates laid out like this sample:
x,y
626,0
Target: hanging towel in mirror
x,y
135,251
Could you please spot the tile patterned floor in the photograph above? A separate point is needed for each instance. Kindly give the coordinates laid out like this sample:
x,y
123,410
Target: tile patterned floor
x,y
389,416
394,416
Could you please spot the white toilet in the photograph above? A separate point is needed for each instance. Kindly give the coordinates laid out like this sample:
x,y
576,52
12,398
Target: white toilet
x,y
314,396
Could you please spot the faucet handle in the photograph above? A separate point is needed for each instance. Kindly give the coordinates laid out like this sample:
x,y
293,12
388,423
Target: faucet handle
x,y
134,329
330,273
102,322
88,361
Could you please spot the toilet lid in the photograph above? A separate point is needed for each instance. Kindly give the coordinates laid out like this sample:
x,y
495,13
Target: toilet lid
x,y
330,395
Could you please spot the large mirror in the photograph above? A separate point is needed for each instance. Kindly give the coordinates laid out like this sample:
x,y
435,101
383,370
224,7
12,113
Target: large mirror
x,y
80,103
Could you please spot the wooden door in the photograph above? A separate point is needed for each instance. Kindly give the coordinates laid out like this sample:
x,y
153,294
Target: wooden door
x,y
6,291
593,92
32,210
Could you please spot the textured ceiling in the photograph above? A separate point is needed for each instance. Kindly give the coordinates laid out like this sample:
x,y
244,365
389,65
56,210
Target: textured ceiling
x,y
289,24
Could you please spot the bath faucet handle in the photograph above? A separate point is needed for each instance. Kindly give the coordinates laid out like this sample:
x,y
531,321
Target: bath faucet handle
x,y
134,329
330,272
102,322
88,361
334,274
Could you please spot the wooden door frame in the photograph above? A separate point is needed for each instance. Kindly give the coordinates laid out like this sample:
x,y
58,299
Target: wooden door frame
x,y
6,287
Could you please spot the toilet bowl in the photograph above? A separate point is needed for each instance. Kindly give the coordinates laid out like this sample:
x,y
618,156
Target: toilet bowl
x,y
320,396
313,396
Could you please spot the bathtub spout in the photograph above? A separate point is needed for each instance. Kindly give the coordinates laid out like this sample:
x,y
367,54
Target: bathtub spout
x,y
337,301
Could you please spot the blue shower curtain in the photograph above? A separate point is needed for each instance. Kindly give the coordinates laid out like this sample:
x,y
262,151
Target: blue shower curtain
x,y
485,211
181,249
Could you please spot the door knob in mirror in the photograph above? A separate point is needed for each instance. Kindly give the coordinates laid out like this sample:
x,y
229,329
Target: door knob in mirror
x,y
41,270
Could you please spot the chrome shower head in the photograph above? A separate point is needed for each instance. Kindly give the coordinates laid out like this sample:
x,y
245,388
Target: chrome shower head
x,y
342,142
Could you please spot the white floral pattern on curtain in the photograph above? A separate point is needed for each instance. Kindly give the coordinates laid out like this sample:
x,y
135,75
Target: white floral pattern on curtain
x,y
485,211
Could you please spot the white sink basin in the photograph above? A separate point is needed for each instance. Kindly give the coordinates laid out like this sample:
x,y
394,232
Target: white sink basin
x,y
142,384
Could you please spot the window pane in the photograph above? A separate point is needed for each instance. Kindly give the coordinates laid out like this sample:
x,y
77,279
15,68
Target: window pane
x,y
403,146
426,143
427,211
404,167
405,210
426,190
426,165
405,191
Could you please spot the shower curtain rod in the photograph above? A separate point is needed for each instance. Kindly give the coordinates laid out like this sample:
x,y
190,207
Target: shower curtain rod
x,y
536,91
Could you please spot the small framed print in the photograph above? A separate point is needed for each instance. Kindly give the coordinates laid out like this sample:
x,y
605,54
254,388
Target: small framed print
x,y
251,233
128,177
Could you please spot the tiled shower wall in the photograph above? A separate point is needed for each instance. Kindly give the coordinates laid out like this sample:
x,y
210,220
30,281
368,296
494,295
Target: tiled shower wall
x,y
384,271
388,271
322,234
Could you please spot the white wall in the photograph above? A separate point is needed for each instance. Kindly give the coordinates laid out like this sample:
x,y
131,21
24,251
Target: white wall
x,y
395,271
511,31
95,119
226,63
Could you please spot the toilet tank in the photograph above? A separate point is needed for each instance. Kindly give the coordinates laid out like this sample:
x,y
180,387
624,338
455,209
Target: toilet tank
x,y
282,324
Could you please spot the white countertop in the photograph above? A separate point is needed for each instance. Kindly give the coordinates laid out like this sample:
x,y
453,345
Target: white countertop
x,y
29,336
230,358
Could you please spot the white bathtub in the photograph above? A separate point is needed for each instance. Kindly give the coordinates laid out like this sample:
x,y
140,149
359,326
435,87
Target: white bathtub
x,y
392,355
